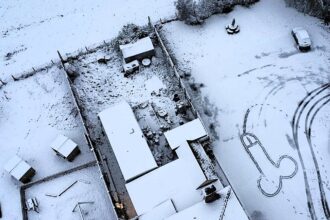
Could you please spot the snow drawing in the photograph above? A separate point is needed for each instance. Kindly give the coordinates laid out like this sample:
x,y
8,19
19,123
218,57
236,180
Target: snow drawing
x,y
266,165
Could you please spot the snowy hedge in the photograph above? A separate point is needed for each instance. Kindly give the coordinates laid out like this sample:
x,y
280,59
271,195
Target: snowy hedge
x,y
318,8
196,11
131,33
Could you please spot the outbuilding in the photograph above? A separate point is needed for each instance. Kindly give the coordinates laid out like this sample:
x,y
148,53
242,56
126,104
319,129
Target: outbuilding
x,y
138,50
127,141
65,147
19,169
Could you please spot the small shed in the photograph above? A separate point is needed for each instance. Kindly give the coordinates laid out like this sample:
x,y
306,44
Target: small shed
x,y
130,67
19,169
138,50
65,147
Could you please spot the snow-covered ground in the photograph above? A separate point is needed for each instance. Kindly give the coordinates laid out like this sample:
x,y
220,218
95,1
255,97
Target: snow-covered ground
x,y
32,113
256,80
88,189
32,32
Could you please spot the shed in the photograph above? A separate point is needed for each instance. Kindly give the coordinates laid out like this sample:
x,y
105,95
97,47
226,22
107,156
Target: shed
x,y
65,147
138,50
19,169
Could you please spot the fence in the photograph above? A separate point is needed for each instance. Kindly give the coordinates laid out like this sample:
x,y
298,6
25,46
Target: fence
x,y
225,203
171,63
48,178
31,72
95,151
176,73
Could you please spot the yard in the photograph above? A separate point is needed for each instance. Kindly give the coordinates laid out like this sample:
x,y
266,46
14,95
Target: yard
x,y
149,91
33,112
255,81
86,188
32,33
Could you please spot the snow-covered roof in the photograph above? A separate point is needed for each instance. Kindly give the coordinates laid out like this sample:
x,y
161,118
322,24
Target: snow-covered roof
x,y
176,180
127,140
63,145
190,131
216,210
161,211
140,46
17,167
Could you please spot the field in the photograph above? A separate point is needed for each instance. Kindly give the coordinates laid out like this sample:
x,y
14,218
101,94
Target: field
x,y
32,33
33,112
271,138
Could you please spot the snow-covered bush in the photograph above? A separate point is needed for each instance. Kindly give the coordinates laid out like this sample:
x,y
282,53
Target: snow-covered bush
x,y
318,8
131,33
187,11
196,11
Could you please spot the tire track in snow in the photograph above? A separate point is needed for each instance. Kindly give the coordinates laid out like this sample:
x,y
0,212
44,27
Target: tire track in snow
x,y
295,126
308,128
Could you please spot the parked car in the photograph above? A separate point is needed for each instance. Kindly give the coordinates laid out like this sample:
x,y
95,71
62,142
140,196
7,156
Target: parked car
x,y
302,38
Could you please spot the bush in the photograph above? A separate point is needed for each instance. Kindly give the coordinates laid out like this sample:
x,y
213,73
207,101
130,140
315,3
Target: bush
x,y
131,33
196,11
187,11
317,8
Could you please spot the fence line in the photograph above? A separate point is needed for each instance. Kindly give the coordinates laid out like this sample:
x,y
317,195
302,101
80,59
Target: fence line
x,y
95,151
170,60
176,73
22,200
45,179
225,203
56,175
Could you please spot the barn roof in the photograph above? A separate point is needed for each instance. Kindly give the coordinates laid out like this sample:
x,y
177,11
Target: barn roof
x,y
140,46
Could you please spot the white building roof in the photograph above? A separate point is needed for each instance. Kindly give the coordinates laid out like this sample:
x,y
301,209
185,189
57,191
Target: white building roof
x,y
234,209
214,210
176,180
127,140
17,167
63,145
140,46
161,211
190,131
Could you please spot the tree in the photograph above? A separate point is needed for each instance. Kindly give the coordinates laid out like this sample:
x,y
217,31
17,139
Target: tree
x,y
196,11
184,8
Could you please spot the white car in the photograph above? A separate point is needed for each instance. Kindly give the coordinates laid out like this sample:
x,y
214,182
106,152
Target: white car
x,y
302,38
